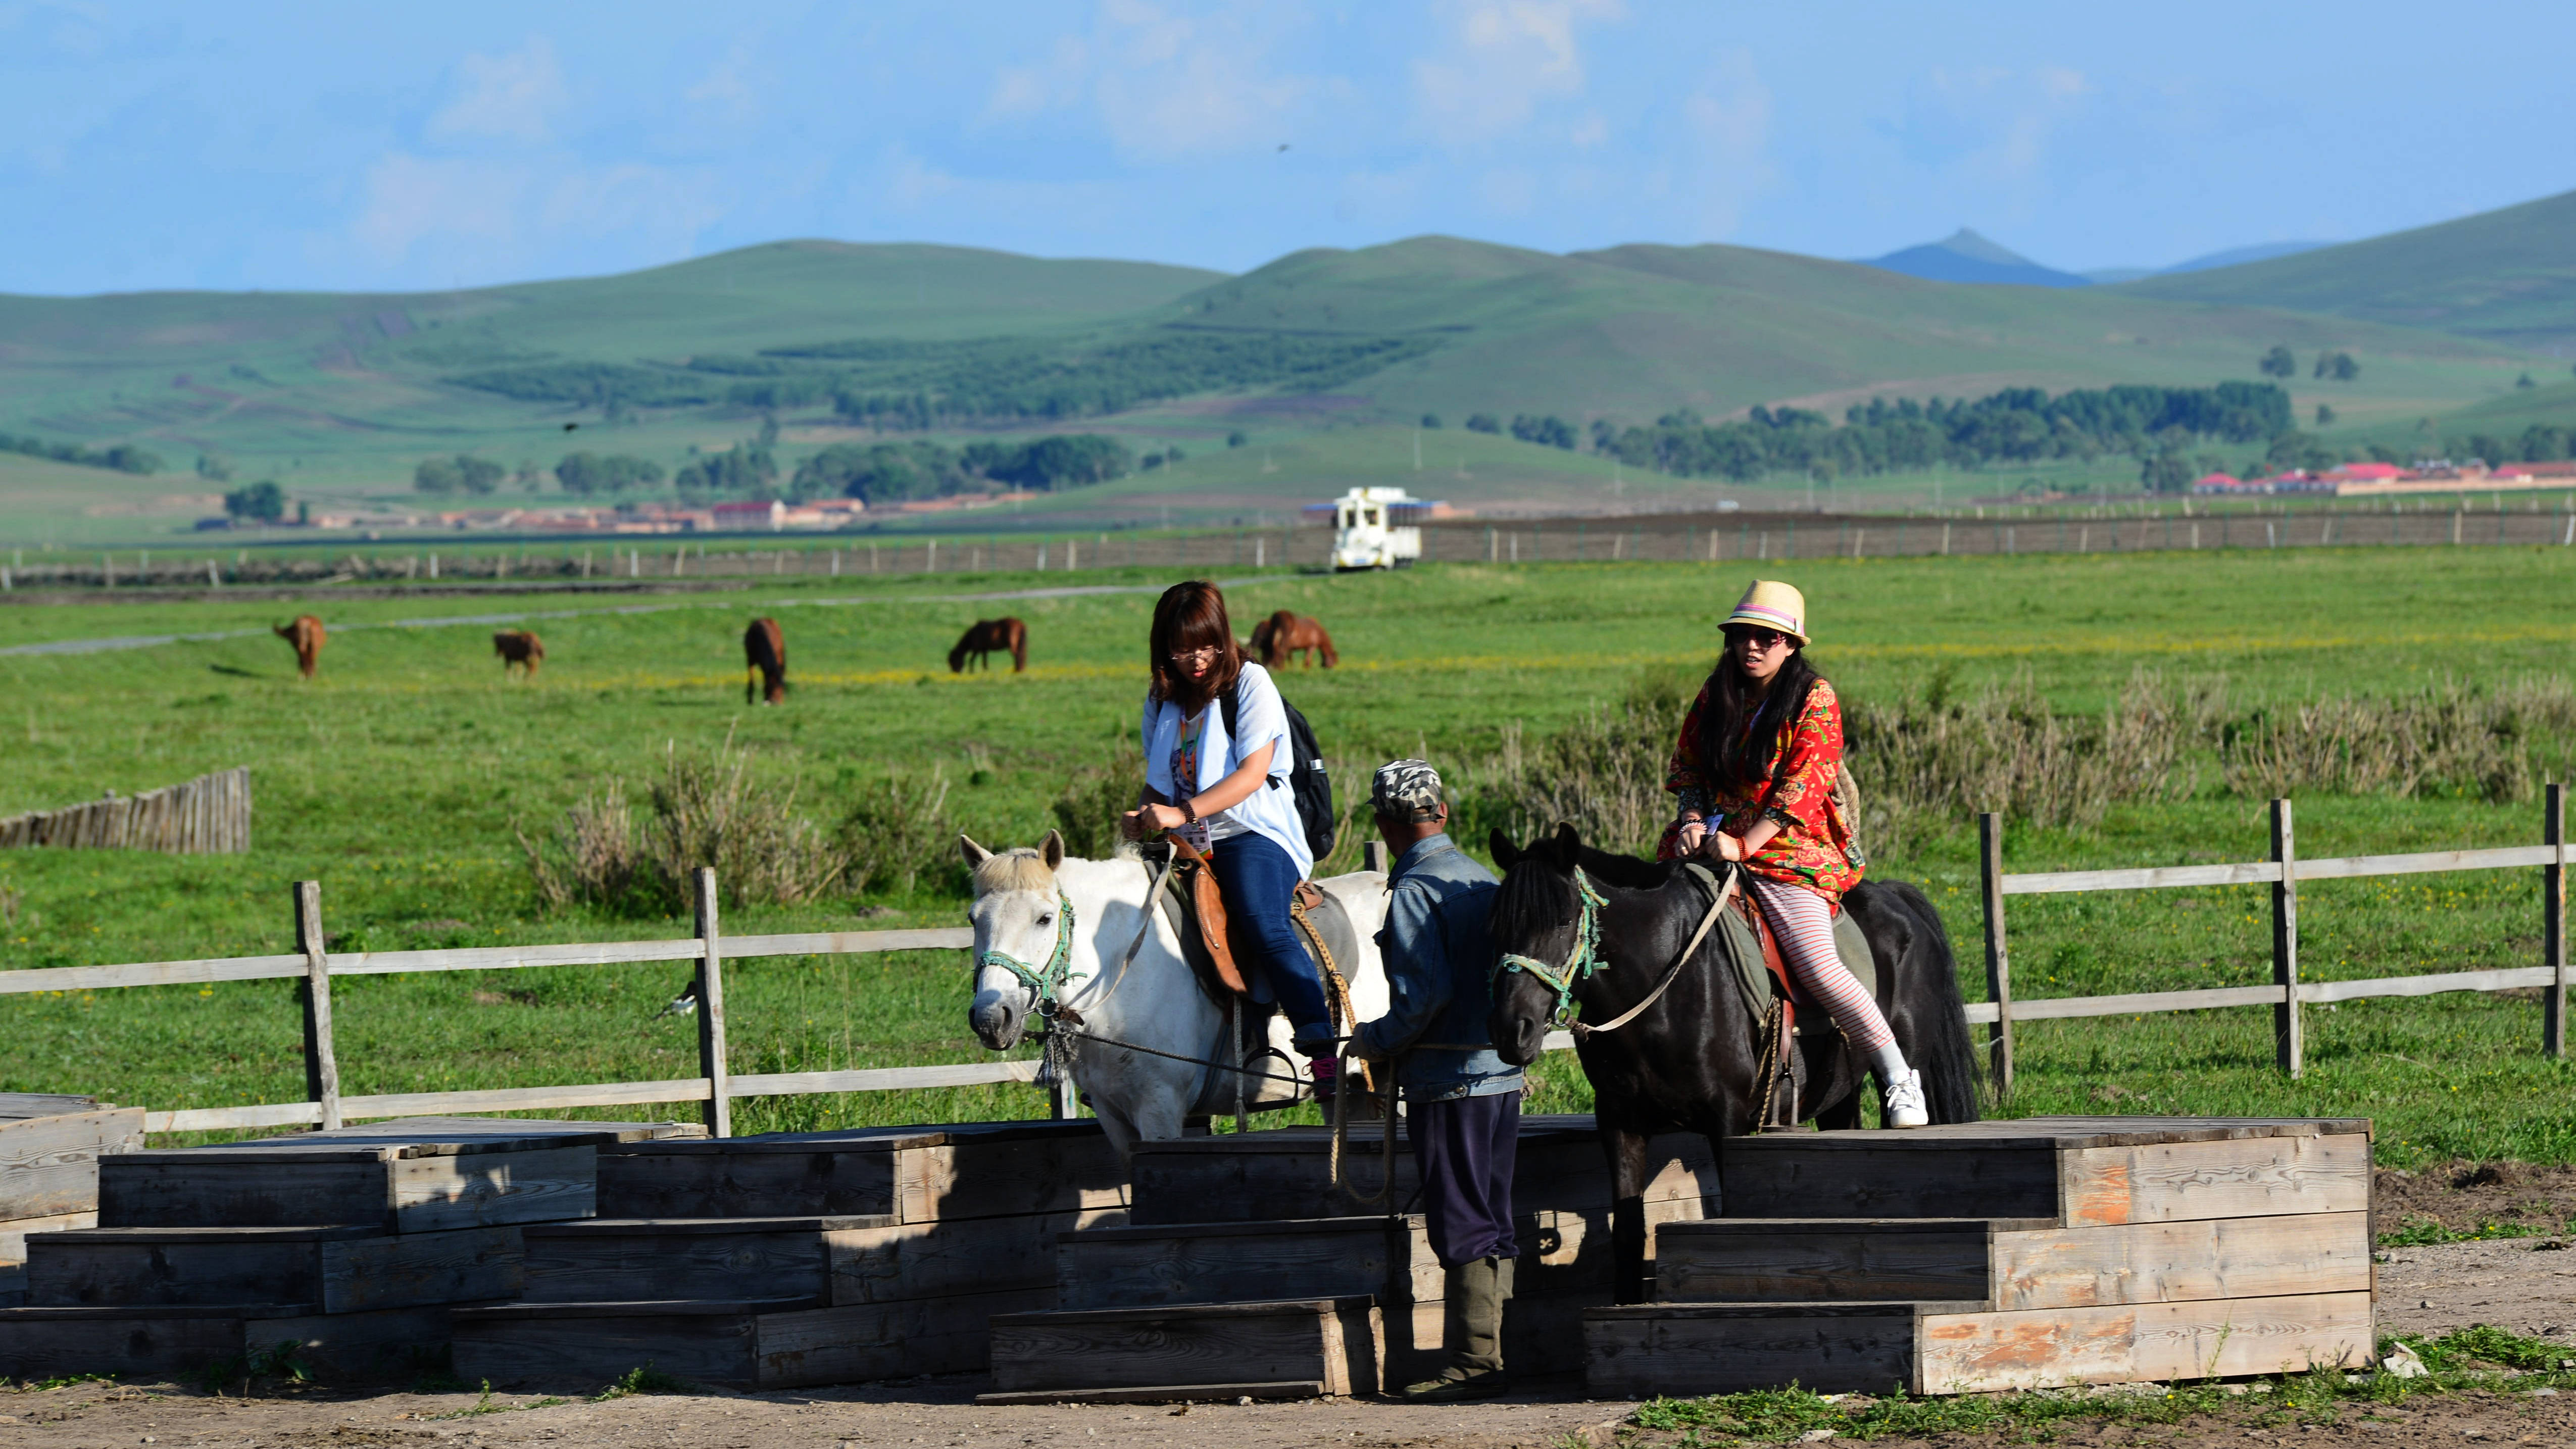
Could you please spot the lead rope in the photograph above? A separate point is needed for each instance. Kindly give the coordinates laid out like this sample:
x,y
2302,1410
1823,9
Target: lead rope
x,y
1342,1129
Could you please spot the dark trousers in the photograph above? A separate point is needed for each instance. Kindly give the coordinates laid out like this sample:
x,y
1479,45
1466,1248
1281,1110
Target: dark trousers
x,y
1464,1148
1258,881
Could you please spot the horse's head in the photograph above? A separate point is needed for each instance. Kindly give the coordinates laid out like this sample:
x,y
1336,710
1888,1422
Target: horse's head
x,y
957,665
1017,934
1538,913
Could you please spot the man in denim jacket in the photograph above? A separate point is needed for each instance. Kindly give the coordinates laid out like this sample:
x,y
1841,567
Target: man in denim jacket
x,y
1463,1102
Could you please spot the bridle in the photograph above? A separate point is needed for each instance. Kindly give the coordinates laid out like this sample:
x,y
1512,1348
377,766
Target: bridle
x,y
1585,959
1044,983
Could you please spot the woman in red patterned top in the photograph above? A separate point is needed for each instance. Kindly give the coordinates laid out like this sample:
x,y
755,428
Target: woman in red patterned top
x,y
1754,769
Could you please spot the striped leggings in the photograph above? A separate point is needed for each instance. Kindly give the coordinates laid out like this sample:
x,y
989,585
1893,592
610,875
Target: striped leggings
x,y
1804,925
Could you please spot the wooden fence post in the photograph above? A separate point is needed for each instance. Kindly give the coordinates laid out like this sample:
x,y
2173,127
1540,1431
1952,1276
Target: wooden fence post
x,y
2288,1033
321,1067
711,1027
1990,863
2553,923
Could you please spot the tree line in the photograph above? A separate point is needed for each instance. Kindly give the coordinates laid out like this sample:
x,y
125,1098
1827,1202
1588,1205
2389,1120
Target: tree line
x,y
873,472
120,458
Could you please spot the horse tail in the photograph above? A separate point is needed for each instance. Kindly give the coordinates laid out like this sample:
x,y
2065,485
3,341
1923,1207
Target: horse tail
x,y
1952,1071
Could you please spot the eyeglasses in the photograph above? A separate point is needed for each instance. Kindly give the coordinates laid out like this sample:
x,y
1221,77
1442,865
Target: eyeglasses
x,y
1192,656
1763,641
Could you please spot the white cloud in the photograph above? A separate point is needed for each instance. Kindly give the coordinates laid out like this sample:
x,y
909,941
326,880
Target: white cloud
x,y
1168,86
1502,58
410,198
509,97
504,213
728,83
1590,131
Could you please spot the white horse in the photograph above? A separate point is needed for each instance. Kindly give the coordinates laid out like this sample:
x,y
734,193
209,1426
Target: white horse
x,y
1048,924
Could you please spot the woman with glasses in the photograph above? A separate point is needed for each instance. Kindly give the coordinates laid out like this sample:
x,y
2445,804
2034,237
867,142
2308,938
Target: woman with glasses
x,y
1754,770
1218,778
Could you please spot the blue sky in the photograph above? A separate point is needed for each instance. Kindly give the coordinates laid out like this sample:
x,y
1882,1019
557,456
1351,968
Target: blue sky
x,y
161,145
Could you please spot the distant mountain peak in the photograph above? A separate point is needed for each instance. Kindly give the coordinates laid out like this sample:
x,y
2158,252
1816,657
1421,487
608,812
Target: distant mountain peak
x,y
1967,256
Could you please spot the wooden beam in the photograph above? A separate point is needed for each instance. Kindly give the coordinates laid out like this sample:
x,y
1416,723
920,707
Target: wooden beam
x,y
2288,1034
2157,878
711,1024
2553,923
321,1067
882,1079
1990,864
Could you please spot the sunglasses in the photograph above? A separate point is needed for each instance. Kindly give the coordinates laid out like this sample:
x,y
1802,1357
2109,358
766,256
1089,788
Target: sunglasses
x,y
1762,640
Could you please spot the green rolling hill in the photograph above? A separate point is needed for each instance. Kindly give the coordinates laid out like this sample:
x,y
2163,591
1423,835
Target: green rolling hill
x,y
2508,276
339,396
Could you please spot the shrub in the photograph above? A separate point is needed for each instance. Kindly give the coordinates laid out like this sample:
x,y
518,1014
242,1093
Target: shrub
x,y
901,832
1087,812
706,812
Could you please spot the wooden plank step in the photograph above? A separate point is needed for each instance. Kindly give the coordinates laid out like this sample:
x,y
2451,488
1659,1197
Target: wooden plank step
x,y
1137,1266
49,1161
911,1174
168,1341
729,1343
2075,1171
1286,1173
13,1249
652,1259
479,1181
1335,1342
337,1269
1166,1394
44,1104
1639,1350
2008,1263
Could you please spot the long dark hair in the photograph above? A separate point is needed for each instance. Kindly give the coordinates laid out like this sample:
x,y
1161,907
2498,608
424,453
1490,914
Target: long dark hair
x,y
1191,616
1742,727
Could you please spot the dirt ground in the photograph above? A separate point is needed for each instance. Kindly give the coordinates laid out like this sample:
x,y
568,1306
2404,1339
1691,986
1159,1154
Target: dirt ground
x,y
2527,1285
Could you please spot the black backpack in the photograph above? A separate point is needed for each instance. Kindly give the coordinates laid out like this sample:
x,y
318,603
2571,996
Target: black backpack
x,y
1308,785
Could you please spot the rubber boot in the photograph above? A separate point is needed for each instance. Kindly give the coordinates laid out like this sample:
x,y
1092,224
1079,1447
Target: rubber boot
x,y
1477,1291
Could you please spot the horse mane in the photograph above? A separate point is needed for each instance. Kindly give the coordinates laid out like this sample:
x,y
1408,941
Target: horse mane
x,y
1020,868
1531,902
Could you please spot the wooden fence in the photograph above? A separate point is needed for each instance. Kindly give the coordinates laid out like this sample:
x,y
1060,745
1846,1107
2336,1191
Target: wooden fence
x,y
2286,994
209,815
714,1088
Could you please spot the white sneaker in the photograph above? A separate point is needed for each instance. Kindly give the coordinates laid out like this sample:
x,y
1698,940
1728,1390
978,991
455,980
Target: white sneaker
x,y
1903,1105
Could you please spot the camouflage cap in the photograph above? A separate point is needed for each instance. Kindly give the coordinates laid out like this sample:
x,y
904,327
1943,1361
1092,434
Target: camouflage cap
x,y
1405,790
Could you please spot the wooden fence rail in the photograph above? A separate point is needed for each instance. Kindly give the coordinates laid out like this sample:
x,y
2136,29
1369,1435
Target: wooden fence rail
x,y
313,968
2285,993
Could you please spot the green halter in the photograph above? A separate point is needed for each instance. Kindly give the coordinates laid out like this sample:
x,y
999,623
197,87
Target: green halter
x,y
1585,960
1042,984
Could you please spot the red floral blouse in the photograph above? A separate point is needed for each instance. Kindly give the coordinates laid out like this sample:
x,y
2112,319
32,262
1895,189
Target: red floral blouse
x,y
1814,845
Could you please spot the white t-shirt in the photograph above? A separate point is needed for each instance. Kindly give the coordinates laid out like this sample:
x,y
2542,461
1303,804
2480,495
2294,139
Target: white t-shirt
x,y
1261,719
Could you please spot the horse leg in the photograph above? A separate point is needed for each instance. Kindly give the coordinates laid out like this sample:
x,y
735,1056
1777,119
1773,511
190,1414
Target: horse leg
x,y
1626,1151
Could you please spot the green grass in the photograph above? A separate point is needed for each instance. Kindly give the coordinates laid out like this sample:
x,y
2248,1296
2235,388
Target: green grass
x,y
394,778
2473,1360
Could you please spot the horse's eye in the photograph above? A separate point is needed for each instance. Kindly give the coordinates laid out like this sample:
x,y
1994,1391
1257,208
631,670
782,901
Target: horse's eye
x,y
1046,920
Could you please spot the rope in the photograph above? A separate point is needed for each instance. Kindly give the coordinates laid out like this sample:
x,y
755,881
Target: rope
x,y
1673,973
1342,1131
1586,958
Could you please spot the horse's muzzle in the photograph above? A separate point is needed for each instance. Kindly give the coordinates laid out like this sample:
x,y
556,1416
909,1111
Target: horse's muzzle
x,y
1518,1040
996,1020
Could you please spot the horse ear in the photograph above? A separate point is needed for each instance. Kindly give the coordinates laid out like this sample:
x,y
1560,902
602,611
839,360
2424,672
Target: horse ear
x,y
1568,842
975,854
1506,854
1051,850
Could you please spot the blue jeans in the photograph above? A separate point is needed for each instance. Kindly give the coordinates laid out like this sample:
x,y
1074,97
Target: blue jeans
x,y
1258,880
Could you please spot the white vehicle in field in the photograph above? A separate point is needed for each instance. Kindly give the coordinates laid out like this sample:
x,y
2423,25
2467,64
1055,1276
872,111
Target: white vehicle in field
x,y
1374,528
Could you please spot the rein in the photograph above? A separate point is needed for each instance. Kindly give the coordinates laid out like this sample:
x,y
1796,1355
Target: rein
x,y
1587,959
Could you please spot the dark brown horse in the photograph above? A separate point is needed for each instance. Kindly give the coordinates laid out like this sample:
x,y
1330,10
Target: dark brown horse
x,y
1287,632
307,637
1692,1060
519,649
764,649
988,636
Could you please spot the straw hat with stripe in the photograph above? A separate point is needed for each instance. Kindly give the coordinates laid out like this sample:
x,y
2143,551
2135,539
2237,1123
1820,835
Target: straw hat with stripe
x,y
1770,604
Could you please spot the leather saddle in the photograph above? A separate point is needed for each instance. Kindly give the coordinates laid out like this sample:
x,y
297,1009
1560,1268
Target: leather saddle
x,y
1197,914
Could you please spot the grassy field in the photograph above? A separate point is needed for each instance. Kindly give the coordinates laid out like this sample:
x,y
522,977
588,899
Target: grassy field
x,y
396,777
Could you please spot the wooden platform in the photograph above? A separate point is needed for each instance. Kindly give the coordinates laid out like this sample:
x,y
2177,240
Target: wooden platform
x,y
1286,1173
1332,1343
2001,1255
732,1343
415,1176
800,1258
909,1174
49,1160
41,1343
335,1269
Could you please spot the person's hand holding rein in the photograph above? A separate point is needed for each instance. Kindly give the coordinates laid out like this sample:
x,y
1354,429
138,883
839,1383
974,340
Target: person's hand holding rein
x,y
1145,820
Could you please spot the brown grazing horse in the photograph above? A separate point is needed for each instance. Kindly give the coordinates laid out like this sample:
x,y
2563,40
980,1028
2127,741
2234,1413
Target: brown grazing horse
x,y
987,636
1286,633
307,637
764,648
520,648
